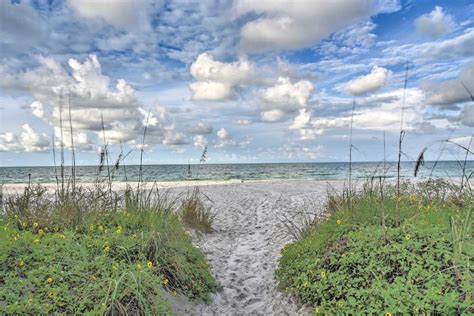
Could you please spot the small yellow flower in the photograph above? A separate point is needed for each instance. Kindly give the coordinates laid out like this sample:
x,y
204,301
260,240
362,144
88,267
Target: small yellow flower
x,y
338,222
118,231
47,306
56,228
316,310
91,227
139,266
35,225
15,238
114,267
174,293
149,264
40,231
21,263
306,284
165,281
101,228
103,306
50,280
107,249
46,229
36,241
388,314
93,278
62,236
407,237
51,294
323,274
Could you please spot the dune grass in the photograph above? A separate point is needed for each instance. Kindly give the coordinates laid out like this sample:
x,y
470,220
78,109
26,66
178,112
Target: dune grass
x,y
92,252
195,213
380,258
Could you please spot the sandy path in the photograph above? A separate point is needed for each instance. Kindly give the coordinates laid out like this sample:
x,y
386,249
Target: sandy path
x,y
244,248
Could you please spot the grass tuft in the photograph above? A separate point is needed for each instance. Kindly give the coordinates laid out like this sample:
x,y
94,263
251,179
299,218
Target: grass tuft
x,y
195,213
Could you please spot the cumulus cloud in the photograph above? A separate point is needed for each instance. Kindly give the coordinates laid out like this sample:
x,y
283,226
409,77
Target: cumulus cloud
x,y
224,139
199,141
368,83
124,14
216,80
434,24
284,98
95,102
293,24
385,116
28,141
449,93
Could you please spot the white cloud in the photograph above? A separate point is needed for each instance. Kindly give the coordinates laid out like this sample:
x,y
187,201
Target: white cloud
x,y
200,129
130,15
453,48
284,98
466,116
199,141
217,80
451,92
434,24
92,98
244,122
368,83
37,109
293,24
385,116
27,141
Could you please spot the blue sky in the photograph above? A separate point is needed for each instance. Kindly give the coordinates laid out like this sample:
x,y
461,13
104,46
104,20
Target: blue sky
x,y
254,81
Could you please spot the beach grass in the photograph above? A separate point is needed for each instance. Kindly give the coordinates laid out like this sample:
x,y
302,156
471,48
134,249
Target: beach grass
x,y
385,252
88,252
195,213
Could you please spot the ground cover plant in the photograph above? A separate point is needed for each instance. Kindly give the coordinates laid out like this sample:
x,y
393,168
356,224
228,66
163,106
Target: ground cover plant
x,y
380,250
90,251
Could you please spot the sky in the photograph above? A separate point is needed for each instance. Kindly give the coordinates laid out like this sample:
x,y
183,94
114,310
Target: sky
x,y
253,81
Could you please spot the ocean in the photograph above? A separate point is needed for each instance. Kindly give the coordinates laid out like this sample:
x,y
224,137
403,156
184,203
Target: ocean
x,y
259,171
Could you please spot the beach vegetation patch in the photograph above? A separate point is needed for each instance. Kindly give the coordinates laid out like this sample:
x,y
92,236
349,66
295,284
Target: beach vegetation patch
x,y
386,253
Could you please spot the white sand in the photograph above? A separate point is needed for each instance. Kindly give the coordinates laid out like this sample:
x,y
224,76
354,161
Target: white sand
x,y
244,248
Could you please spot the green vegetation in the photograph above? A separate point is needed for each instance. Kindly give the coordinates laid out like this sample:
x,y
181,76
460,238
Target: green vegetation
x,y
378,251
91,251
195,213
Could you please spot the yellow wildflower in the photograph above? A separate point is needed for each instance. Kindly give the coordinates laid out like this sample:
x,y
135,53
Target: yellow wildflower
x,y
306,284
35,225
323,274
36,241
91,227
103,306
119,231
50,280
114,267
62,236
407,237
40,231
21,263
101,228
316,310
139,266
46,229
93,278
388,314
165,281
107,249
338,222
51,294
150,264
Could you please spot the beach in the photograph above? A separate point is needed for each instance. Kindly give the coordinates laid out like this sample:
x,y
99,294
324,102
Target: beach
x,y
244,246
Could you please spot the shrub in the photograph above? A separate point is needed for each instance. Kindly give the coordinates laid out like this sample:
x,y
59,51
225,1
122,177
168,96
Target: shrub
x,y
415,264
